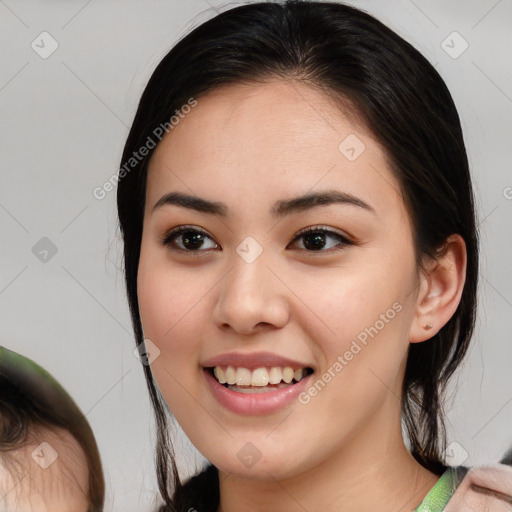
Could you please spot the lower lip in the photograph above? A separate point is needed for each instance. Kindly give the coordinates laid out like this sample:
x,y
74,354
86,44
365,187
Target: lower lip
x,y
253,404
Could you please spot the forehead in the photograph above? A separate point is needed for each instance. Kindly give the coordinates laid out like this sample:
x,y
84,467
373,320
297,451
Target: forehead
x,y
49,472
269,141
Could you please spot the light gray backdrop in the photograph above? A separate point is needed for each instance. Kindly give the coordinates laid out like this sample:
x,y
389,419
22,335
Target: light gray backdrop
x,y
64,118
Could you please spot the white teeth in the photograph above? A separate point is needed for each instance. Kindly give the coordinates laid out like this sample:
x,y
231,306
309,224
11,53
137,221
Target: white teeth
x,y
288,374
219,373
230,375
259,377
276,375
243,377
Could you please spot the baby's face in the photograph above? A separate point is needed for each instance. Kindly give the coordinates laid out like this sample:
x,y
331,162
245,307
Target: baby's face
x,y
50,475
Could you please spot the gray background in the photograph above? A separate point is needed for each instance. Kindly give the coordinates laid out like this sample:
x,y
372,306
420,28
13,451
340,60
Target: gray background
x,y
64,120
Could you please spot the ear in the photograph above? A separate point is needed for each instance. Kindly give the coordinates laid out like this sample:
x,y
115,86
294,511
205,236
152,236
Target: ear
x,y
440,290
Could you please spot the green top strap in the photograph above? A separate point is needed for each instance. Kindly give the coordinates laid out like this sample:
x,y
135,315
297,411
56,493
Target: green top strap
x,y
443,489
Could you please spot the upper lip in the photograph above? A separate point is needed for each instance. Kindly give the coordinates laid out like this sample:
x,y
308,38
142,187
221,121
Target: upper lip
x,y
253,360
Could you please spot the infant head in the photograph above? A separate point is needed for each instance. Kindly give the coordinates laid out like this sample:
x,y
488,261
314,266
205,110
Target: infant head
x,y
47,472
49,460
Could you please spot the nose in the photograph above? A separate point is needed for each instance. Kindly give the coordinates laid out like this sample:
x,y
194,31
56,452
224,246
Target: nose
x,y
251,298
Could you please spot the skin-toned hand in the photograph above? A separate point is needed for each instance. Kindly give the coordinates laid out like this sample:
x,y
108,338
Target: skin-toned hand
x,y
484,488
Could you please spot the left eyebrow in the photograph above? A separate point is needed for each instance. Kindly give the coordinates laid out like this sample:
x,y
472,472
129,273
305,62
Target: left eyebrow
x,y
312,200
279,209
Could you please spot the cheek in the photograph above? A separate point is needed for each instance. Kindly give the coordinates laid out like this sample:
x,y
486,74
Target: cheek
x,y
345,303
359,324
171,311
169,298
173,315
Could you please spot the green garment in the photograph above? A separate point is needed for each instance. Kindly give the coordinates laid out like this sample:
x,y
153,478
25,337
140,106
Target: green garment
x,y
438,496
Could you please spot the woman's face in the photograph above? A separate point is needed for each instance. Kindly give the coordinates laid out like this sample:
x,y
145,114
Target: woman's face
x,y
242,289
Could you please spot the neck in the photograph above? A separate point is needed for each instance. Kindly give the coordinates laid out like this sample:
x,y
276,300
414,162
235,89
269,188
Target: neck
x,y
361,477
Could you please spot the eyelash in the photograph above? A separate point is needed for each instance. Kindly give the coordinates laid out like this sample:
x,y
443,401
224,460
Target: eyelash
x,y
168,237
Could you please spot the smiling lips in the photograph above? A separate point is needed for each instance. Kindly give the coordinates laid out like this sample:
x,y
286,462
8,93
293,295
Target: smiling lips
x,y
260,369
258,383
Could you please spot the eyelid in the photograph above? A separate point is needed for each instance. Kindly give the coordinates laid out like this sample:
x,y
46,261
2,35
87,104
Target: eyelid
x,y
344,239
321,228
173,232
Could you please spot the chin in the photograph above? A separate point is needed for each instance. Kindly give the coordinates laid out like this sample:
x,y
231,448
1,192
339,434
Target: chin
x,y
249,462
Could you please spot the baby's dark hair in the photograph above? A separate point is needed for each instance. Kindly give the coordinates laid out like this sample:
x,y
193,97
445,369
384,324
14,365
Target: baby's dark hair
x,y
32,405
383,81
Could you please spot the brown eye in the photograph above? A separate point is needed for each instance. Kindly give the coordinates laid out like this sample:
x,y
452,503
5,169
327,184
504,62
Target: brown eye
x,y
190,239
186,239
315,239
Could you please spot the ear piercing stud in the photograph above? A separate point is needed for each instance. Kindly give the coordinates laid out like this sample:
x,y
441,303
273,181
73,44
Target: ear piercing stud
x,y
428,327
